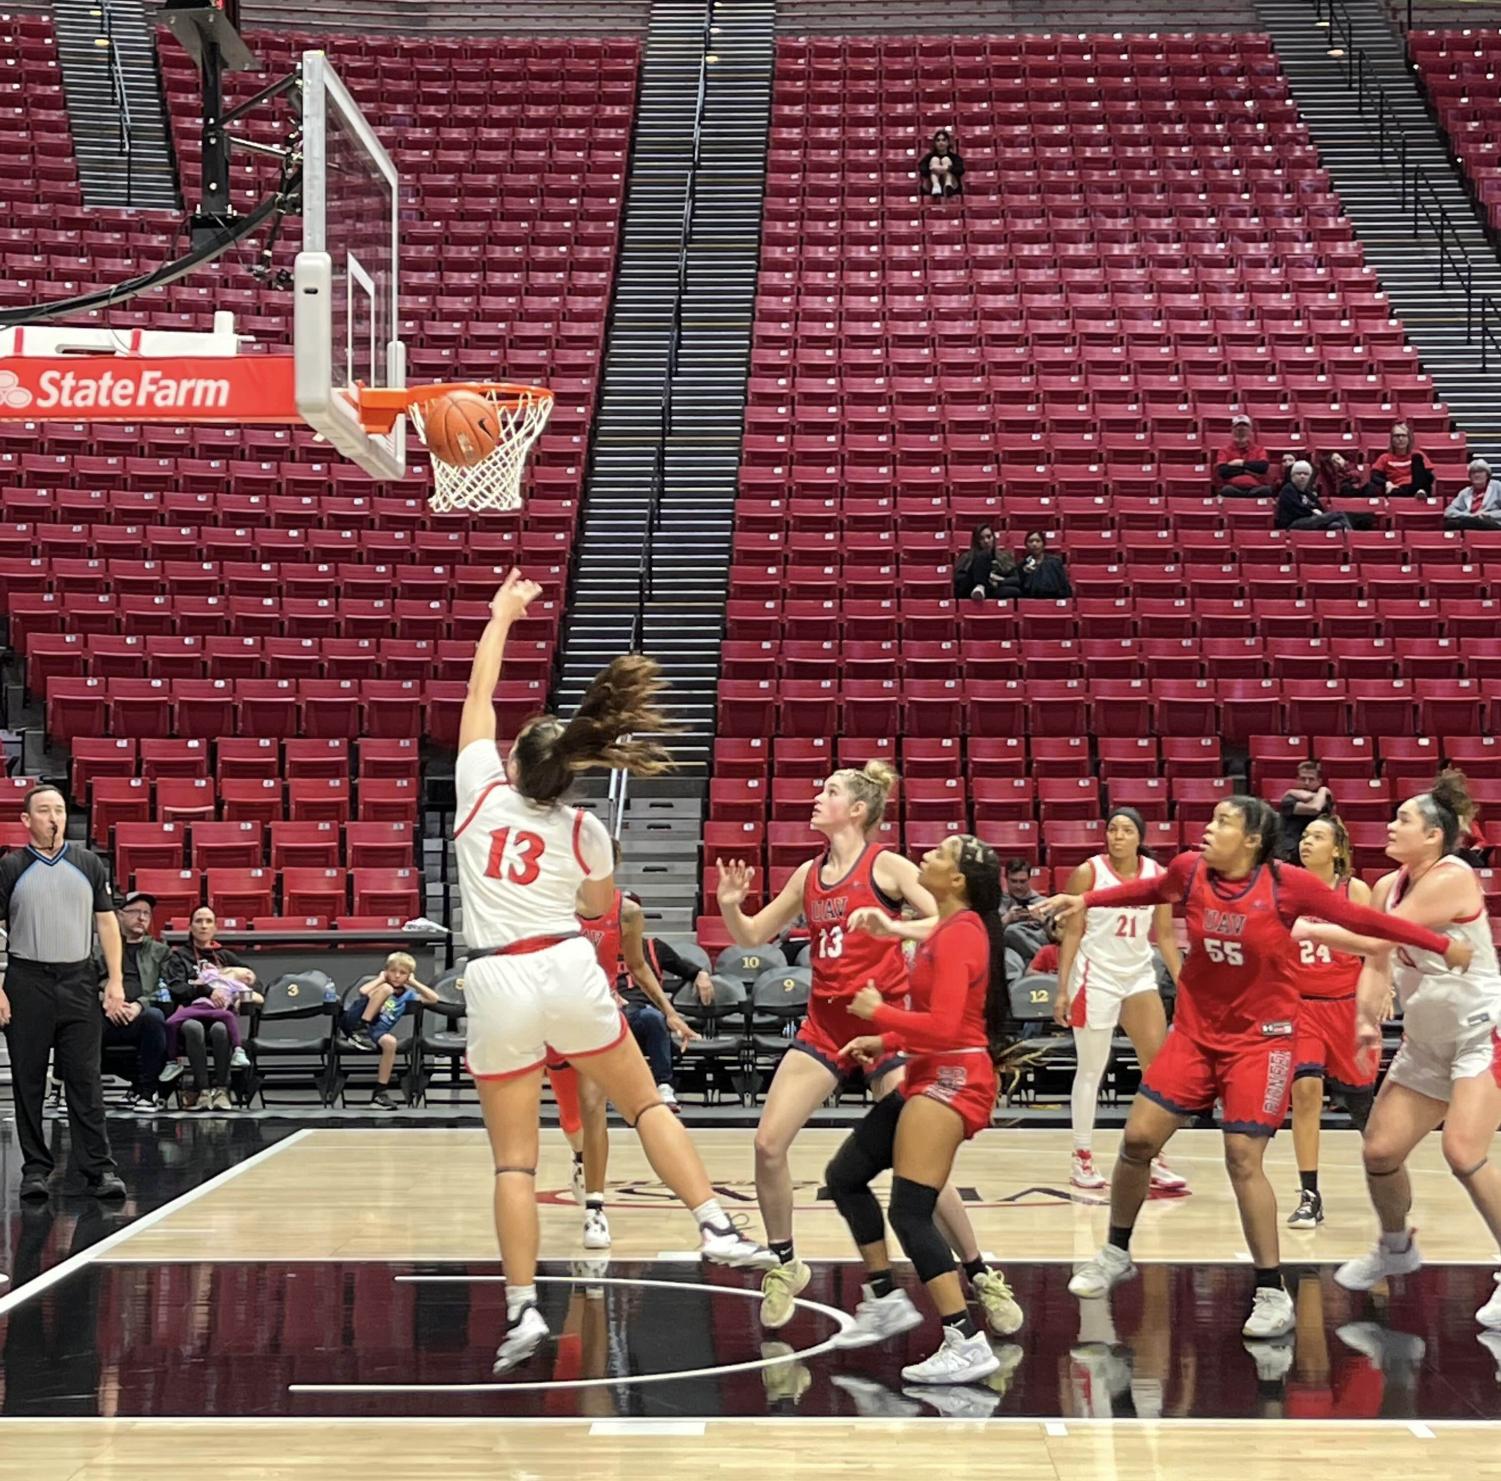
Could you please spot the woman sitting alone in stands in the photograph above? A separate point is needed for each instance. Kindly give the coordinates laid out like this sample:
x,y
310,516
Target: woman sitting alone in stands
x,y
1402,471
1477,506
209,986
940,169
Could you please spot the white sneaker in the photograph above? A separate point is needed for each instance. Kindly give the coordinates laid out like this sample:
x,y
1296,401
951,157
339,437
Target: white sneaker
x,y
959,1359
578,1182
780,1289
1489,1315
878,1318
1365,1271
1082,1171
596,1229
239,1060
1165,1180
1003,1314
1095,1277
1272,1314
668,1097
523,1337
728,1246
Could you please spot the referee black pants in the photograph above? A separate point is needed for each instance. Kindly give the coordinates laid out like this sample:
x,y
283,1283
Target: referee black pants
x,y
54,1006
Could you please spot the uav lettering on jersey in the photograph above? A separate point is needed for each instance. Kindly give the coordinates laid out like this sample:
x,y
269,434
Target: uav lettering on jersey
x,y
830,908
1224,922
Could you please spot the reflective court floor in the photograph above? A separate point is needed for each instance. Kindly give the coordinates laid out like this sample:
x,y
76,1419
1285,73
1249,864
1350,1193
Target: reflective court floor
x,y
327,1302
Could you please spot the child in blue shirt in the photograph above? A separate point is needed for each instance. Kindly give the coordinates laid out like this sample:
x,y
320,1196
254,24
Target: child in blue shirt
x,y
371,1024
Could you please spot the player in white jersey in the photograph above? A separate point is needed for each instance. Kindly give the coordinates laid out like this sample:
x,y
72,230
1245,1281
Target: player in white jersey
x,y
1107,976
1449,1066
533,982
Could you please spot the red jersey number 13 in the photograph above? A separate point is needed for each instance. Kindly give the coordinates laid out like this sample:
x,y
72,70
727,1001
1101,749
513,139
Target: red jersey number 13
x,y
515,857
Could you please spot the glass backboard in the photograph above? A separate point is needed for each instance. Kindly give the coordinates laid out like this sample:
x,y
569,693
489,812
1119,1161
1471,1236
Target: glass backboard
x,y
345,281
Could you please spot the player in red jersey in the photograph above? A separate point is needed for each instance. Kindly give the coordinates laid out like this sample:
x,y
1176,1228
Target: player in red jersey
x,y
1324,1049
618,938
1232,1036
853,873
955,1023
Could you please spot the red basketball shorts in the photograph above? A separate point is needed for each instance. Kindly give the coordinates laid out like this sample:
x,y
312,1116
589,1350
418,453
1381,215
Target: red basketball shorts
x,y
1325,1045
1252,1080
965,1082
828,1027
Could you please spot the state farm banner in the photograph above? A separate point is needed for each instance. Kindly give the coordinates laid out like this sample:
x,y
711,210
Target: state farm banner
x,y
120,388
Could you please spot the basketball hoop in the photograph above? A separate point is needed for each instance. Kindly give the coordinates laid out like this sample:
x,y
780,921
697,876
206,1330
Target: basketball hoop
x,y
494,482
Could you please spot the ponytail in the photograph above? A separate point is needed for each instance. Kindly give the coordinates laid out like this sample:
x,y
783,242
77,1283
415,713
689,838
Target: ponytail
x,y
621,700
1448,806
981,867
871,785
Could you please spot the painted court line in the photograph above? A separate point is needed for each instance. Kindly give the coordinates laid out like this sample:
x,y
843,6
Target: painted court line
x,y
688,1429
842,1321
49,1278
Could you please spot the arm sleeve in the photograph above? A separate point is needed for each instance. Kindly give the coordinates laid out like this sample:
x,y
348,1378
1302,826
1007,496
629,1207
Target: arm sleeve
x,y
479,764
1303,894
592,847
1166,888
937,1027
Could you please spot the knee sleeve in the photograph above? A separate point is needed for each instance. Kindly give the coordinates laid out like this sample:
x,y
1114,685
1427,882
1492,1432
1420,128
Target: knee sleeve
x,y
848,1178
911,1211
565,1090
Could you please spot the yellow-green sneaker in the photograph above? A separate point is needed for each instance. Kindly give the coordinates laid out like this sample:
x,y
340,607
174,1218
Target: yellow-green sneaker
x,y
780,1288
1002,1314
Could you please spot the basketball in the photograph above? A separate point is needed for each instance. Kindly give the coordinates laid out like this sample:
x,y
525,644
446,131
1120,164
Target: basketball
x,y
461,428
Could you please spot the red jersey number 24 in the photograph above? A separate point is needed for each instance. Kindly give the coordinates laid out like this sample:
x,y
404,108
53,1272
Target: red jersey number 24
x,y
515,857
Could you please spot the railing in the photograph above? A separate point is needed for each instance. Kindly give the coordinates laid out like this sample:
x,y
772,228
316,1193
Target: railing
x,y
121,100
1418,196
644,577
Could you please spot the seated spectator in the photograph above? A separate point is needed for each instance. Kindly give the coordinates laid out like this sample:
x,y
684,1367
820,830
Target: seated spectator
x,y
985,572
139,1022
209,984
941,170
1024,933
1043,576
1336,477
1301,804
1300,508
650,1026
371,1023
1478,505
1242,466
1401,472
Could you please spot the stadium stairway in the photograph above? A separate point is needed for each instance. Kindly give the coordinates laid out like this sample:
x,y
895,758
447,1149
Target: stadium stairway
x,y
1407,261
124,155
708,221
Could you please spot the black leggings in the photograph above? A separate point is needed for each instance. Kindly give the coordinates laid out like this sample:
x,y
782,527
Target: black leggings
x,y
195,1045
867,1152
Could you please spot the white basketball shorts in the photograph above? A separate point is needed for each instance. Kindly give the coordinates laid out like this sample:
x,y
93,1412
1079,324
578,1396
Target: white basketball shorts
x,y
1098,995
521,1007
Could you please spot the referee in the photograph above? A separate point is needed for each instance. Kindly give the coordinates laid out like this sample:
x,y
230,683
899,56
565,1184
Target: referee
x,y
53,896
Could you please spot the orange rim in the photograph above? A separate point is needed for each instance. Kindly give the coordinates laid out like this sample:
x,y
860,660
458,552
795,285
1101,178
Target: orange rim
x,y
380,410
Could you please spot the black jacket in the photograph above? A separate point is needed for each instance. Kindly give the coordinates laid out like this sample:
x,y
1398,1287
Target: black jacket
x,y
956,171
1044,579
1294,504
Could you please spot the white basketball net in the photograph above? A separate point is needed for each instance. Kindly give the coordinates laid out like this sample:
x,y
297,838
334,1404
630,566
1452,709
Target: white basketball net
x,y
495,483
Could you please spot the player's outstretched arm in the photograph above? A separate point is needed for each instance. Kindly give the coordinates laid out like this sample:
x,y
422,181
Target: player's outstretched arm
x,y
735,877
477,722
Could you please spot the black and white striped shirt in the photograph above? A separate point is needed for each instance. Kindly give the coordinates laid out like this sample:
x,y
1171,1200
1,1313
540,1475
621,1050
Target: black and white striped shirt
x,y
49,903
